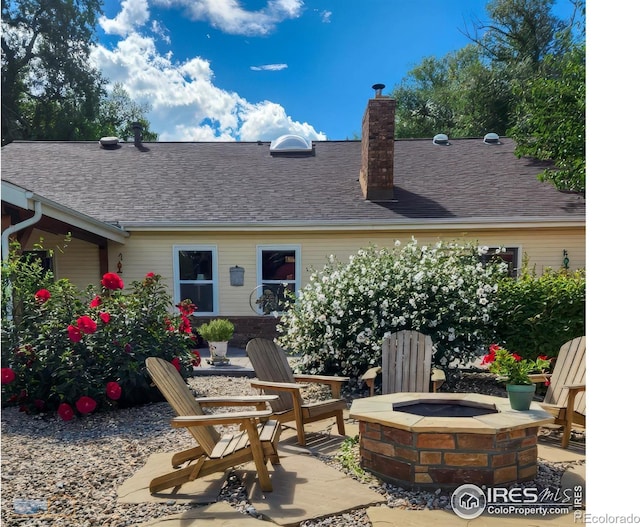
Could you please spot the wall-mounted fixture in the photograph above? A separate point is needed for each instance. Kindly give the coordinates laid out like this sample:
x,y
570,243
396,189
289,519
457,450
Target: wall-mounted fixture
x,y
119,264
236,275
565,260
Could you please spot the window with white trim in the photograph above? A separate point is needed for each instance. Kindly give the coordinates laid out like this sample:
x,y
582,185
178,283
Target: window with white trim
x,y
195,276
278,271
509,255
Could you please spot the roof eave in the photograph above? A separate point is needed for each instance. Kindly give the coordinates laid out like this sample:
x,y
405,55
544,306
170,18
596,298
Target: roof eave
x,y
358,225
25,199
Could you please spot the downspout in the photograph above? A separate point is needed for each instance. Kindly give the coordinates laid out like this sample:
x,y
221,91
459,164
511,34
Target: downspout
x,y
19,226
37,208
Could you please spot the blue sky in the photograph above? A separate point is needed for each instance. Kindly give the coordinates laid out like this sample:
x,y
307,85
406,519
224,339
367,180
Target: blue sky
x,y
249,70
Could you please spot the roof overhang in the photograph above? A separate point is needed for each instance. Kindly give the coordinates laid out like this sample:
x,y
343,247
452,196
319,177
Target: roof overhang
x,y
55,213
464,224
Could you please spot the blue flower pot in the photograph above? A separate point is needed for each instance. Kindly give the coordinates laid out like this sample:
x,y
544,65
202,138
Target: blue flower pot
x,y
520,395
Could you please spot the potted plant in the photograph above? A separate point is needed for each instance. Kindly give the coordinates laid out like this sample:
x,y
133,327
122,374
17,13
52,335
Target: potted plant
x,y
217,333
515,371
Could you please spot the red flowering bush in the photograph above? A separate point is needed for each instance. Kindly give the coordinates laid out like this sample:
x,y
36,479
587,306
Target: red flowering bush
x,y
76,353
511,367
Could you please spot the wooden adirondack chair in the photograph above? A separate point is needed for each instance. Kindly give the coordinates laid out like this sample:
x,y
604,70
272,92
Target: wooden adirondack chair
x,y
406,365
257,441
274,376
565,398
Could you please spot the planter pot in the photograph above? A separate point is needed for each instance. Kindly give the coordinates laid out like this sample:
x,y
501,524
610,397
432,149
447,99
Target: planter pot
x,y
218,350
520,395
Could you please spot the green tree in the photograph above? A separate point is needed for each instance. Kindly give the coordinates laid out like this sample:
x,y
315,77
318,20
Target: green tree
x,y
460,95
549,120
118,110
49,89
519,34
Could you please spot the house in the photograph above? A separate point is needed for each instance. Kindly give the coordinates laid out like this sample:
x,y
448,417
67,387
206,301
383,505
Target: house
x,y
224,222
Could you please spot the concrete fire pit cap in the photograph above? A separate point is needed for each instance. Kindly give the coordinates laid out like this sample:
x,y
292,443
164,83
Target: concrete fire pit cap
x,y
386,410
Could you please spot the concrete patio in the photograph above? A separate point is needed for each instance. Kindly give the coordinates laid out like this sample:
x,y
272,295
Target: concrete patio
x,y
306,488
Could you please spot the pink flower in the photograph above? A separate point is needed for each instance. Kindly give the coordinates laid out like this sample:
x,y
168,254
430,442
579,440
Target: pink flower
x,y
112,281
65,411
114,391
7,375
176,363
105,317
85,405
127,348
196,358
150,275
96,301
86,324
42,295
75,335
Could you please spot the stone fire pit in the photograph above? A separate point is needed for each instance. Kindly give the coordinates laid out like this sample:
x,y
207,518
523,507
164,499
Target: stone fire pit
x,y
448,439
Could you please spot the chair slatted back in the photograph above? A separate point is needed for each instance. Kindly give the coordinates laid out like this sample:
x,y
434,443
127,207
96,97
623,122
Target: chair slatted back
x,y
177,393
270,363
406,362
569,369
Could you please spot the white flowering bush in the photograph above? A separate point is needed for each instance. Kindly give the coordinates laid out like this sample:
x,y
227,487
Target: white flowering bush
x,y
340,318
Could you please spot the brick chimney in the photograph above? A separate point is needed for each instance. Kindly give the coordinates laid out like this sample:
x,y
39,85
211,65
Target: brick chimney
x,y
378,128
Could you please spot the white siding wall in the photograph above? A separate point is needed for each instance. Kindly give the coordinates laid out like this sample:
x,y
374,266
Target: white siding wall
x,y
153,252
72,258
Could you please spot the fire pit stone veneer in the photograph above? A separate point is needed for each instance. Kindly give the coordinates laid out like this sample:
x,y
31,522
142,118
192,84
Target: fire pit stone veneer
x,y
421,451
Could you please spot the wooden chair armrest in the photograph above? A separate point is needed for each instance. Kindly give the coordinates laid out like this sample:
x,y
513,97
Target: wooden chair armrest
x,y
240,400
280,386
333,381
575,387
218,419
371,373
539,377
319,378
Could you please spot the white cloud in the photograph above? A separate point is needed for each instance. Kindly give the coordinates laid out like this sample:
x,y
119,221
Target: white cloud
x,y
326,16
270,67
230,17
185,104
134,13
160,29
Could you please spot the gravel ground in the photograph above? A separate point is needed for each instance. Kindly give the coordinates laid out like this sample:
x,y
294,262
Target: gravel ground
x,y
76,467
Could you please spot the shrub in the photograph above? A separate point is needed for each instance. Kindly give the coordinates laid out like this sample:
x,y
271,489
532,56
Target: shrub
x,y
340,318
75,352
216,330
540,313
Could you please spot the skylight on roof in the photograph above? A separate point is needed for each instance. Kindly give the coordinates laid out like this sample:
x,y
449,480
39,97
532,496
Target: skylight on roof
x,y
441,139
290,143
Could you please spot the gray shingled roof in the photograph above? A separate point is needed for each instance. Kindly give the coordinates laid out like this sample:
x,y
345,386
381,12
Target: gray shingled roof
x,y
242,183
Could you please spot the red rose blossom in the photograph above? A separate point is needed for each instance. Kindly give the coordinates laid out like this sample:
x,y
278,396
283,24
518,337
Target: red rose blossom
x,y
96,301
7,375
42,295
114,391
65,411
112,281
85,405
86,324
150,275
196,358
75,335
516,357
176,363
105,317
